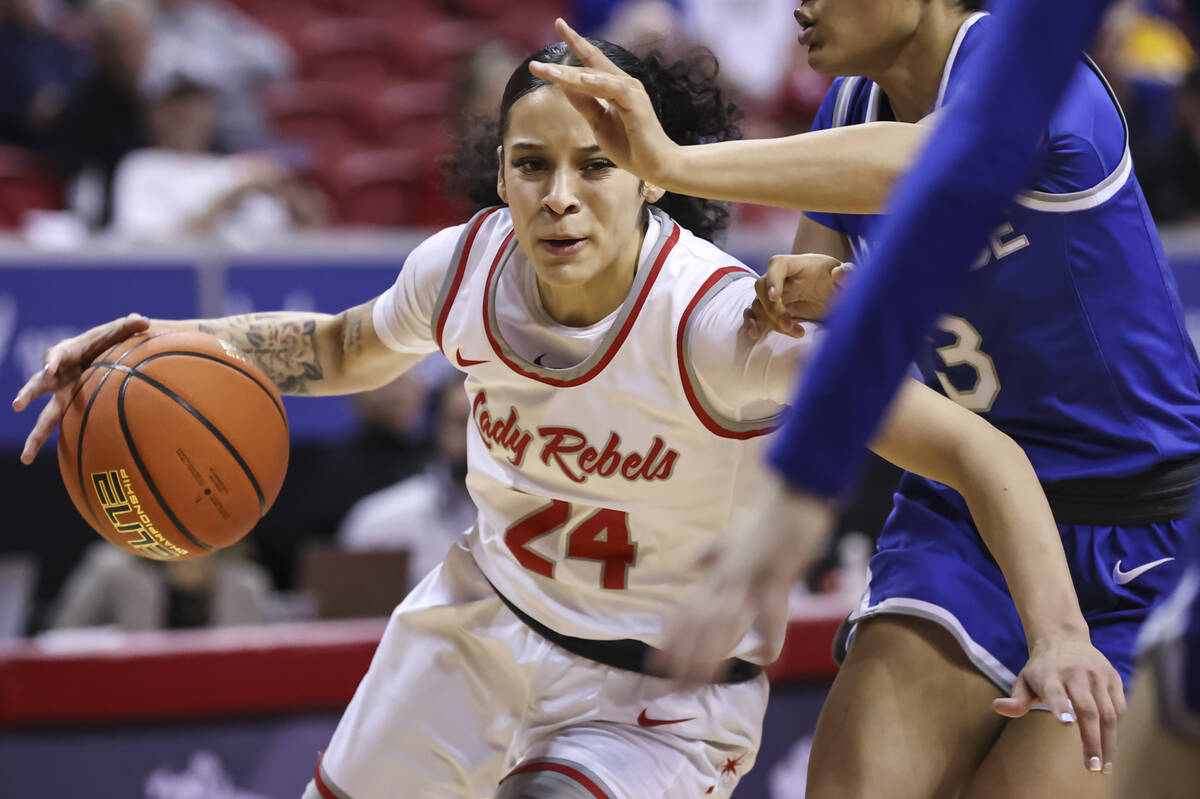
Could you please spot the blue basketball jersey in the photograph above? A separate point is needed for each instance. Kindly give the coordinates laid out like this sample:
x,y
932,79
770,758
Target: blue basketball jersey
x,y
1068,334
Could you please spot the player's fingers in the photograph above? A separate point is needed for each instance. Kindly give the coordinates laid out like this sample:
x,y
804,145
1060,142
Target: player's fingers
x,y
46,422
38,383
1116,691
587,53
750,321
1054,695
1109,720
842,274
1079,688
113,333
1017,705
779,267
773,314
619,90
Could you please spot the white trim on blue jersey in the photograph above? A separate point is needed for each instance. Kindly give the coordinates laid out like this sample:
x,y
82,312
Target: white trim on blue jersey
x,y
1043,201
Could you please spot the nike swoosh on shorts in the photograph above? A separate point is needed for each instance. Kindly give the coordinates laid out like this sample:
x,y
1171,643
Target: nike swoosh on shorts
x,y
1121,578
645,721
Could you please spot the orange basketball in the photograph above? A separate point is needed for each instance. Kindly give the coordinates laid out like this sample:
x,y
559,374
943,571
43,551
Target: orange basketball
x,y
173,445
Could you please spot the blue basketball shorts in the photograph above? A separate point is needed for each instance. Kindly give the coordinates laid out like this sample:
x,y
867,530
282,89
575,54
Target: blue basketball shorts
x,y
930,562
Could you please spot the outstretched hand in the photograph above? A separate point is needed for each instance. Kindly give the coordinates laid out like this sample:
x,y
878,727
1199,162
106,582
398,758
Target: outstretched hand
x,y
746,587
1079,685
794,289
615,105
65,362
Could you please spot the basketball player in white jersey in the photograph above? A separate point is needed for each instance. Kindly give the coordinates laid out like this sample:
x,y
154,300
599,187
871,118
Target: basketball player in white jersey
x,y
616,436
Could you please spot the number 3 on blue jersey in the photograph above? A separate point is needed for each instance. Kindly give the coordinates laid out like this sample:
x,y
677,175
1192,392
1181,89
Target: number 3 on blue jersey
x,y
966,351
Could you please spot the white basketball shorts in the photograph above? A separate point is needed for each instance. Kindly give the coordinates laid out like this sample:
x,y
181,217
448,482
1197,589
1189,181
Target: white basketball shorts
x,y
462,695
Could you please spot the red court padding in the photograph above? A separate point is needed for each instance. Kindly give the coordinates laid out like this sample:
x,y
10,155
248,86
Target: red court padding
x,y
242,671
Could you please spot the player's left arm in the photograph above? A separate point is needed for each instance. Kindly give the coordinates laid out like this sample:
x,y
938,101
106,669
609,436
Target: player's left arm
x,y
927,434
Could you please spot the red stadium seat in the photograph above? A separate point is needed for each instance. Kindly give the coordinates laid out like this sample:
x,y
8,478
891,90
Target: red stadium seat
x,y
390,187
357,52
377,187
412,114
435,50
27,182
324,115
411,11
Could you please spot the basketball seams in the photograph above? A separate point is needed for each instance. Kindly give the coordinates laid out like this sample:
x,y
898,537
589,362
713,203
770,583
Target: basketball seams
x,y
202,419
249,375
84,418
88,406
141,466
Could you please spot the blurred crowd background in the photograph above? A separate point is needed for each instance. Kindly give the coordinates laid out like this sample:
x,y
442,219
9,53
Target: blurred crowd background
x,y
244,123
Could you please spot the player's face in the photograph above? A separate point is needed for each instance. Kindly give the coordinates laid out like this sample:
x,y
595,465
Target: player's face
x,y
856,37
576,214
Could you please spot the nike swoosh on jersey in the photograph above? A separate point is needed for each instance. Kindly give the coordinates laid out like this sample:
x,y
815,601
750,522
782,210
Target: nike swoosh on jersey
x,y
1121,578
645,721
465,362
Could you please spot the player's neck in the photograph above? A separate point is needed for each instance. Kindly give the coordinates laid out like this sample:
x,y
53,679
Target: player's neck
x,y
911,80
584,304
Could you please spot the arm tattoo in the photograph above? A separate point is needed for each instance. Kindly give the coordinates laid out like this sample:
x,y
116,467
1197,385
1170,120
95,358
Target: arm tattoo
x,y
284,346
352,331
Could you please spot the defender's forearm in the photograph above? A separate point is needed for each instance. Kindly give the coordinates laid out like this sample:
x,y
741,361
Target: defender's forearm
x,y
1014,519
842,170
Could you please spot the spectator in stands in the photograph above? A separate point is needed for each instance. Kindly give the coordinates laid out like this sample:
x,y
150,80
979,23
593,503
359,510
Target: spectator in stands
x,y
102,119
228,51
111,587
179,187
38,69
427,513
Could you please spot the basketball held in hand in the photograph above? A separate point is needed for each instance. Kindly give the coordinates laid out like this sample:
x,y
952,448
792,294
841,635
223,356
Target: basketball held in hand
x,y
174,445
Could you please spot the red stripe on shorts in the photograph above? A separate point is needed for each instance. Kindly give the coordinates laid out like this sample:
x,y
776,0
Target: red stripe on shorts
x,y
562,768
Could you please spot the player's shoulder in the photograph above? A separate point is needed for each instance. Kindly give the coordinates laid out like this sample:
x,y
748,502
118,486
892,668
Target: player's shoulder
x,y
695,257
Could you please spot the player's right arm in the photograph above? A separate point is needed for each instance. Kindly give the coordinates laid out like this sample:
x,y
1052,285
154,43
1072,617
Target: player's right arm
x,y
300,352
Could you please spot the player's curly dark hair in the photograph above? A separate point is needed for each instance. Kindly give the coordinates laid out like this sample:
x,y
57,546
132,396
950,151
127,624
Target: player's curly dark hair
x,y
690,104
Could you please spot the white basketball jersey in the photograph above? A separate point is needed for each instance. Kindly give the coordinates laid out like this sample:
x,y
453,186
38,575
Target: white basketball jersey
x,y
599,486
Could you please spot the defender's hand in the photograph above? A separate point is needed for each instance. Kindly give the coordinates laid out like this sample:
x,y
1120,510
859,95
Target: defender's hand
x,y
1078,684
615,105
795,289
752,572
65,362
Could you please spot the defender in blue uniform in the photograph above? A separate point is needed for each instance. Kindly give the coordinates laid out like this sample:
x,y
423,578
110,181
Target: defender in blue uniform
x,y
1067,335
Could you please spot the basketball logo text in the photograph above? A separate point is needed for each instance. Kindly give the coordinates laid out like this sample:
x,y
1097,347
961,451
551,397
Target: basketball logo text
x,y
115,491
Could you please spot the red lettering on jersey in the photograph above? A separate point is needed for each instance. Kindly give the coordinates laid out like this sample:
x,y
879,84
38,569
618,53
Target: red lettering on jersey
x,y
662,469
563,440
569,449
610,458
505,432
